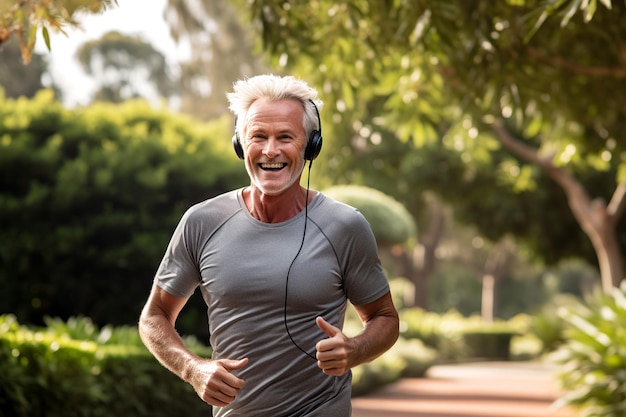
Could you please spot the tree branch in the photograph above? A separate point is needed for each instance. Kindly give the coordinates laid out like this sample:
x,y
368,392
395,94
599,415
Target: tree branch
x,y
616,206
579,200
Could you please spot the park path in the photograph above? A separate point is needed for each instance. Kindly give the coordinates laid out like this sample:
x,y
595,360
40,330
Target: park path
x,y
486,389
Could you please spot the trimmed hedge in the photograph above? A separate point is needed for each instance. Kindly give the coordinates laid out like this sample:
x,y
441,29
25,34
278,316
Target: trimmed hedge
x,y
74,368
44,374
457,338
89,198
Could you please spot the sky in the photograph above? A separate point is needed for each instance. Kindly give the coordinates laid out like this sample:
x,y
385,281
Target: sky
x,y
143,18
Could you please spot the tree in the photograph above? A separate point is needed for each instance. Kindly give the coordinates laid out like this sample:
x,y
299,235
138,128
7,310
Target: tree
x,y
222,49
126,67
22,19
16,78
519,91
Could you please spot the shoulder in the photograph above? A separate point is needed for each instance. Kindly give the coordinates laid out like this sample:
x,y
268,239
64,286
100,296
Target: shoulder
x,y
336,208
223,203
329,213
212,212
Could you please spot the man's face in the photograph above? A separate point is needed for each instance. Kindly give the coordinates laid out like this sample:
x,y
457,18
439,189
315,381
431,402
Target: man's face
x,y
274,144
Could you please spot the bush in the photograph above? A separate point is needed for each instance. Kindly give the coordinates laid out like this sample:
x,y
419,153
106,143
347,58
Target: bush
x,y
407,358
89,198
390,221
593,359
488,343
549,326
455,337
47,373
74,368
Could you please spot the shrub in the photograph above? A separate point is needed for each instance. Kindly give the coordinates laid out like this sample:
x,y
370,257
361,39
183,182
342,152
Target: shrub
x,y
89,198
47,373
390,221
593,359
455,337
548,325
73,368
407,358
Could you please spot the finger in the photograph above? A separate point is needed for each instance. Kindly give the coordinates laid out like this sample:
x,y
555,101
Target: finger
x,y
232,364
230,379
331,367
326,327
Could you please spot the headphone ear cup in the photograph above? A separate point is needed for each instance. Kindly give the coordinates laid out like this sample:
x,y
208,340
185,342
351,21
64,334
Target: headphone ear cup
x,y
237,146
313,146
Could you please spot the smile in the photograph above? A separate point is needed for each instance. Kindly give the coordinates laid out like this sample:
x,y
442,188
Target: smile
x,y
273,166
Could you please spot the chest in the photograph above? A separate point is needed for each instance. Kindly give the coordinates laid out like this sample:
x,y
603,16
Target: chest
x,y
260,266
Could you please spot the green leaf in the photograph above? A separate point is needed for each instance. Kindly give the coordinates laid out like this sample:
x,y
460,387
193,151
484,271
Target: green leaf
x,y
46,37
571,10
542,18
607,4
589,8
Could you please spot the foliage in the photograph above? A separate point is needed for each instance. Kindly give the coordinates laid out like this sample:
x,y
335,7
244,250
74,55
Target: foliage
x,y
223,53
89,198
45,374
407,358
125,67
24,18
456,337
390,221
593,359
548,325
440,75
69,369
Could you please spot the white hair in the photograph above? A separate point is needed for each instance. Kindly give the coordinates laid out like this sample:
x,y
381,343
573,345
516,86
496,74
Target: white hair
x,y
274,88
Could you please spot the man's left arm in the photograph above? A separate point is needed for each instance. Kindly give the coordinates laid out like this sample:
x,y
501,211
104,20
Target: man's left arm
x,y
337,354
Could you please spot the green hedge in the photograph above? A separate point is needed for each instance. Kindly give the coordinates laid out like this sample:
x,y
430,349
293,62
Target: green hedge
x,y
459,338
89,198
74,368
43,373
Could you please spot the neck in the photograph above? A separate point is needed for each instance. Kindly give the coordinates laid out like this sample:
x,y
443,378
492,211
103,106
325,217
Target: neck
x,y
276,208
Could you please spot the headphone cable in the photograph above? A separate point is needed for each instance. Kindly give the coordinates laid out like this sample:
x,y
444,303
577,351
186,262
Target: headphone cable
x,y
306,217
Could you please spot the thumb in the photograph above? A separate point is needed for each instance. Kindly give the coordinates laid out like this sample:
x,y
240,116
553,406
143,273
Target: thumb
x,y
326,327
233,364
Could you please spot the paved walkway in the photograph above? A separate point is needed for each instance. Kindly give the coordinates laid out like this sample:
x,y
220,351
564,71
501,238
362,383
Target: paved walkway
x,y
489,389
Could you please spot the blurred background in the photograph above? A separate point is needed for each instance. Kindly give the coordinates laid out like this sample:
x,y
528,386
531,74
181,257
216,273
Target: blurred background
x,y
482,140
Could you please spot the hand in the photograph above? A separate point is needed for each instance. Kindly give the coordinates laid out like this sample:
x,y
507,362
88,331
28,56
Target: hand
x,y
333,354
214,383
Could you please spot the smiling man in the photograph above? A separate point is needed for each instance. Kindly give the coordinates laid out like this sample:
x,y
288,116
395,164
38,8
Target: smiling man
x,y
277,264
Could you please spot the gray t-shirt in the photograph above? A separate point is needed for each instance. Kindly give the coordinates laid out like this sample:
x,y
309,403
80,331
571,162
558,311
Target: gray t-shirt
x,y
242,268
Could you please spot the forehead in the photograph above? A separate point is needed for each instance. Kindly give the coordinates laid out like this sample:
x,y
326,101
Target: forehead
x,y
266,111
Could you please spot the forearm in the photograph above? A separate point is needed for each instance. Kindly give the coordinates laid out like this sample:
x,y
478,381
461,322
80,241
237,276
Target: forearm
x,y
378,336
164,342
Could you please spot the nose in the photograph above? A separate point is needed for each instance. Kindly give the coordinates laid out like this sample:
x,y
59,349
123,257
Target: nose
x,y
272,147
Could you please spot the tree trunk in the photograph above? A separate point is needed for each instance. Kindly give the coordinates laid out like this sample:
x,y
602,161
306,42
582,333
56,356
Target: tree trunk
x,y
597,219
418,263
488,298
498,265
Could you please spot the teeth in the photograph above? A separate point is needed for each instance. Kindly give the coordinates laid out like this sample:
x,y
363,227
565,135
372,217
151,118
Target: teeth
x,y
271,166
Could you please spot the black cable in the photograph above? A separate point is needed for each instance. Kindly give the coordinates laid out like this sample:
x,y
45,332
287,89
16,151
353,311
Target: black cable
x,y
306,218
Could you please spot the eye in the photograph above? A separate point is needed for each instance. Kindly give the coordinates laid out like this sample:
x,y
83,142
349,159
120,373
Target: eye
x,y
257,136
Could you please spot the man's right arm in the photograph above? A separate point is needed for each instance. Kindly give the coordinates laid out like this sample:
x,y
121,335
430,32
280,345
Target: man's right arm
x,y
211,379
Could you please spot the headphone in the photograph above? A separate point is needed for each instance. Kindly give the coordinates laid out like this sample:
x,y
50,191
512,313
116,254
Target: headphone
x,y
313,145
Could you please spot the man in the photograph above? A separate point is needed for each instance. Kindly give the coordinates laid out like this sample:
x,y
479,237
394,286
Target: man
x,y
276,264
